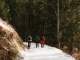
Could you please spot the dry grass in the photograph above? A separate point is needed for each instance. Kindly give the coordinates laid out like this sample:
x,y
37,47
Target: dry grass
x,y
10,42
74,54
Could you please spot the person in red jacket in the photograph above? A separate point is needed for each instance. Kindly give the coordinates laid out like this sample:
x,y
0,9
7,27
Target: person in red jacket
x,y
42,41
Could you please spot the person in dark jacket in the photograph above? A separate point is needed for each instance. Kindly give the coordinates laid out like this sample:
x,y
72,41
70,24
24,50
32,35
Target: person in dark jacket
x,y
42,41
29,38
37,40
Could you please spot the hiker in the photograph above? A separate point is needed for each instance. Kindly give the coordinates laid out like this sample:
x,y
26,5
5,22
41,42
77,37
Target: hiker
x,y
42,41
37,40
29,38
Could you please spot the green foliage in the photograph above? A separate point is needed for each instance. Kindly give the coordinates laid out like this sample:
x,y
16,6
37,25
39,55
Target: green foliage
x,y
69,23
4,9
40,17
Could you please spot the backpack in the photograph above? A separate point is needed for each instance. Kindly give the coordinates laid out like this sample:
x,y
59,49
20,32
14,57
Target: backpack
x,y
29,38
37,39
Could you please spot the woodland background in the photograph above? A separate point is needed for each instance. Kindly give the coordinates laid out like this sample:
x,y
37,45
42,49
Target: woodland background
x,y
40,17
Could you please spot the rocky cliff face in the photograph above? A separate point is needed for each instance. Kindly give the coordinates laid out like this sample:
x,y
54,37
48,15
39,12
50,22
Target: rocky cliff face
x,y
10,42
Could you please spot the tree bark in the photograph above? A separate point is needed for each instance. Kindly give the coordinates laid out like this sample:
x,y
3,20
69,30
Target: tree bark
x,y
58,23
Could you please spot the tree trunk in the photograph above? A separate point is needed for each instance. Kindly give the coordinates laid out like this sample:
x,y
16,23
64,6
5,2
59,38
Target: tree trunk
x,y
58,23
